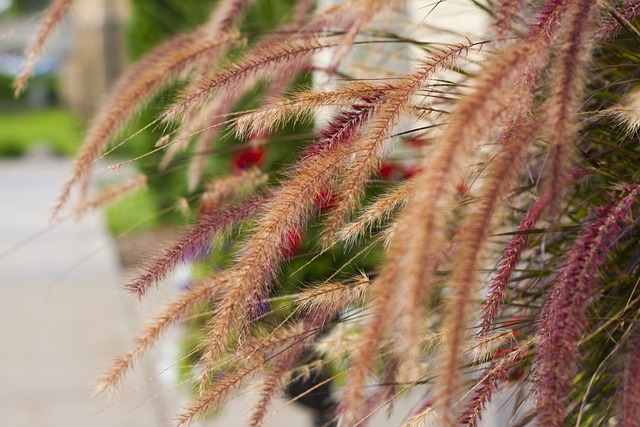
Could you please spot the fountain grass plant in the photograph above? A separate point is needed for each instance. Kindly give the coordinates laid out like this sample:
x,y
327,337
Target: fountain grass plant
x,y
489,194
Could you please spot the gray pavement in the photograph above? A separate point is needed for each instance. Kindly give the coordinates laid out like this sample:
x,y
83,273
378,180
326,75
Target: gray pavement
x,y
62,314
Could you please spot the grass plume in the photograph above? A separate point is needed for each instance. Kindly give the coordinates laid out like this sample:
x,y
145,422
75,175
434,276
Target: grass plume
x,y
52,17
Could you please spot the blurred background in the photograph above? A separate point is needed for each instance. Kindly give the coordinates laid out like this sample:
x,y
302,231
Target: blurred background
x,y
63,315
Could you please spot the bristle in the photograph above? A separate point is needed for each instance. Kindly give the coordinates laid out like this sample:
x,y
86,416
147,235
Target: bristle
x,y
215,114
369,148
353,406
221,107
472,243
631,386
493,376
564,101
333,297
109,195
274,381
510,257
205,121
219,191
302,106
193,242
287,210
215,396
224,16
415,250
276,89
563,314
362,13
266,57
376,213
507,17
261,347
432,202
157,70
221,23
614,22
174,313
627,112
428,417
483,349
455,138
387,390
508,262
548,19
52,17
285,361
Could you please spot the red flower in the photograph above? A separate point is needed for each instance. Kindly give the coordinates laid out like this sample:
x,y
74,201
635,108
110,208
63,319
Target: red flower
x,y
390,171
410,172
515,374
324,200
291,242
387,171
247,158
415,142
462,188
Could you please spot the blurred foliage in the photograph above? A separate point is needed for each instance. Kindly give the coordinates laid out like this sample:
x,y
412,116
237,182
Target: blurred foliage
x,y
136,212
22,6
54,128
153,21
